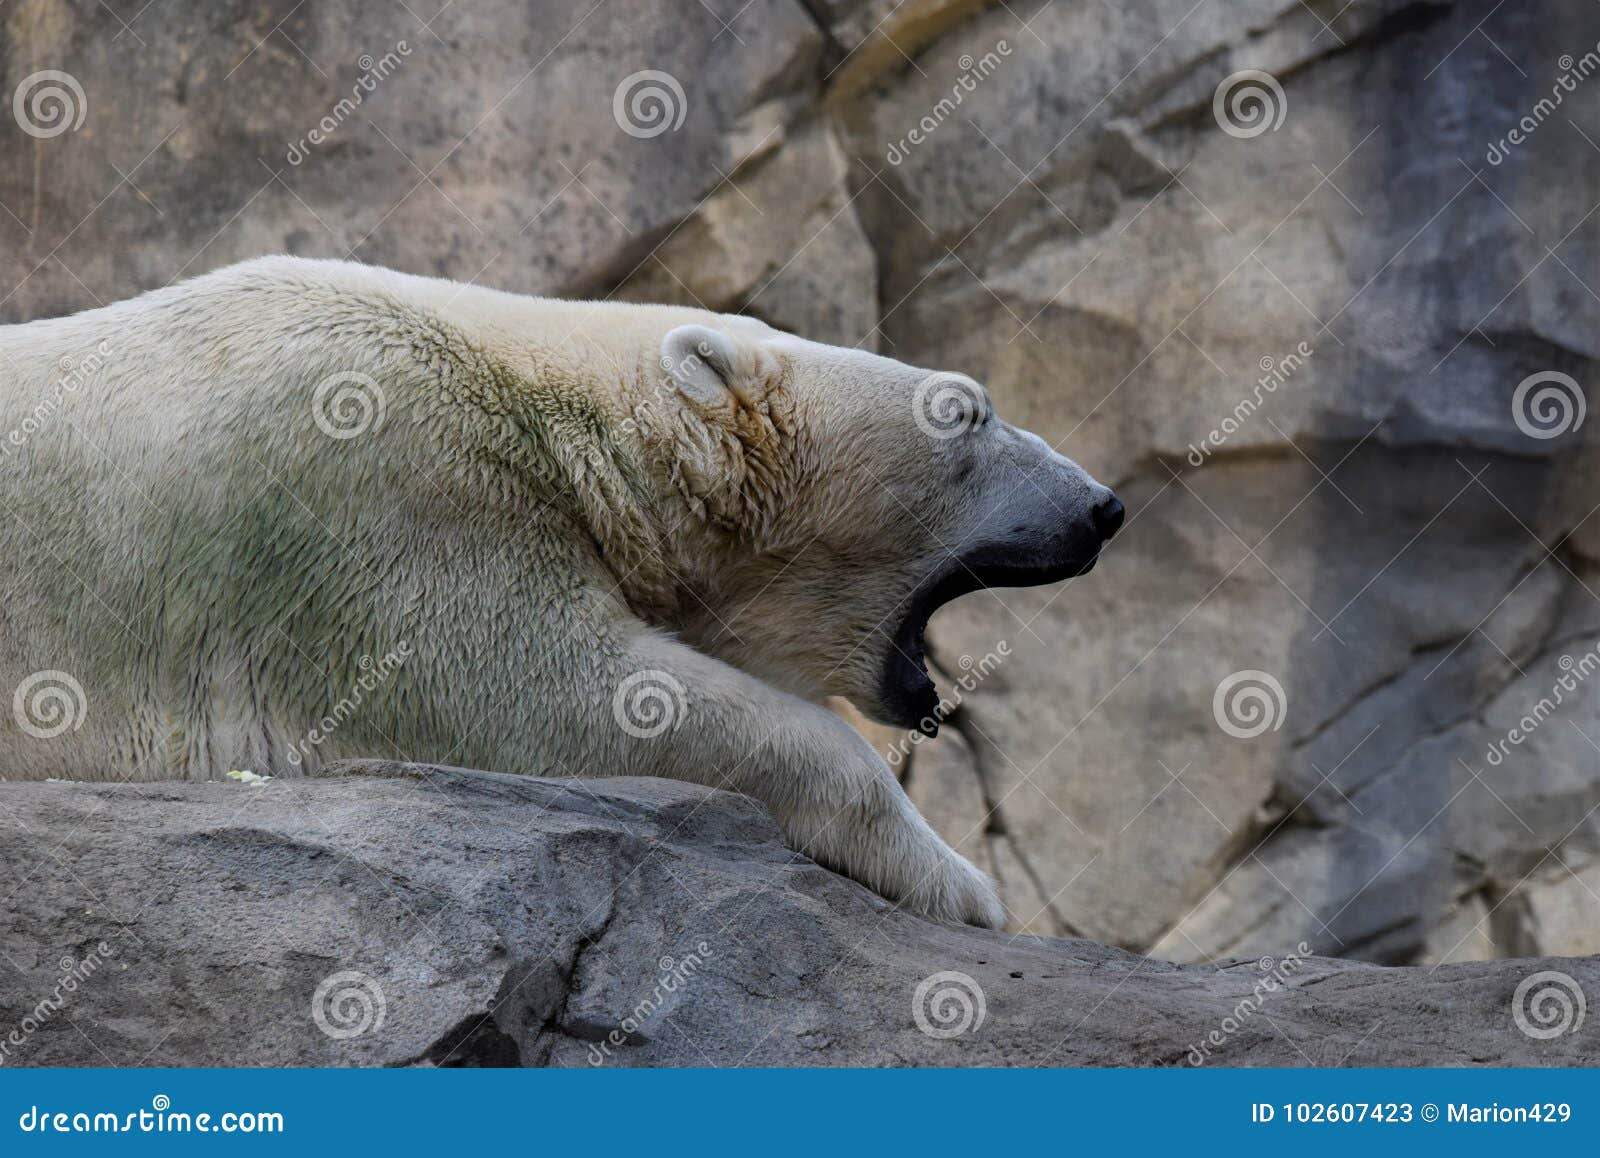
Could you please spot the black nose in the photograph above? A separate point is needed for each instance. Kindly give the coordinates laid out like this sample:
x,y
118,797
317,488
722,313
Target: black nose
x,y
1108,516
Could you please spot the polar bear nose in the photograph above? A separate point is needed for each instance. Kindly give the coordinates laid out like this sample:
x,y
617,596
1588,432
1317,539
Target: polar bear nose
x,y
1108,515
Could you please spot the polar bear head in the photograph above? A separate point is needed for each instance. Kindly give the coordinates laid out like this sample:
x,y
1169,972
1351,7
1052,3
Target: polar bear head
x,y
839,499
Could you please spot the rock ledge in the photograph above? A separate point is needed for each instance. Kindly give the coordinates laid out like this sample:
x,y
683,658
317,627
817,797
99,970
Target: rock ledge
x,y
406,915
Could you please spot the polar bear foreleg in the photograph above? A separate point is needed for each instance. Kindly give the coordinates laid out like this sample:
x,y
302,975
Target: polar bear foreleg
x,y
834,797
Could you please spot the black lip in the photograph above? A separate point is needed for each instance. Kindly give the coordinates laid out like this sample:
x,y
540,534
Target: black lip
x,y
908,698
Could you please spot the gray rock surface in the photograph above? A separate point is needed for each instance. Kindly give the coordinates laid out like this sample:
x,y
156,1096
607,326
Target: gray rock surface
x,y
403,915
1076,228
1379,535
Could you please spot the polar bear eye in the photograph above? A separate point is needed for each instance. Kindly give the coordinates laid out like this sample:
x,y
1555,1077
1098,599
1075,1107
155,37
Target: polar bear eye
x,y
983,407
947,406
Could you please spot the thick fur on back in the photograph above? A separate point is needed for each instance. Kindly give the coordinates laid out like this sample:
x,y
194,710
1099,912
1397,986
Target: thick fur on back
x,y
218,573
297,511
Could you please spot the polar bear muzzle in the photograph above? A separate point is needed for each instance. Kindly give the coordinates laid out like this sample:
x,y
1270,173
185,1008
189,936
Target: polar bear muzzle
x,y
1024,558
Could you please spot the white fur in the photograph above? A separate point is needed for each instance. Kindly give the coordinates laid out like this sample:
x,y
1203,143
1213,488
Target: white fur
x,y
547,509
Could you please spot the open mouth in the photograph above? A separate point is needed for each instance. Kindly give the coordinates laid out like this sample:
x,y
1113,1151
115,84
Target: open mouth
x,y
908,698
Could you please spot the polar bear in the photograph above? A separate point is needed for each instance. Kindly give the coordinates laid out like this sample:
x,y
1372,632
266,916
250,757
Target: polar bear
x,y
296,511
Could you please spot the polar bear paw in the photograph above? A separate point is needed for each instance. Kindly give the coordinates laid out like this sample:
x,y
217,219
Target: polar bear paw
x,y
958,891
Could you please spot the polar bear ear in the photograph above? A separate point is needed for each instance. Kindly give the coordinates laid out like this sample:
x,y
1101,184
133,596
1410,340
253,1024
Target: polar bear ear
x,y
710,367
